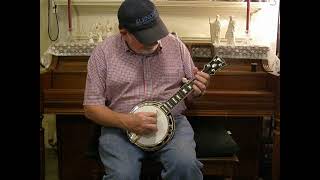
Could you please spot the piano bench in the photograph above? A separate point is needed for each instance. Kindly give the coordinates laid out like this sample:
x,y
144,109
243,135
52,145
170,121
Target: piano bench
x,y
225,167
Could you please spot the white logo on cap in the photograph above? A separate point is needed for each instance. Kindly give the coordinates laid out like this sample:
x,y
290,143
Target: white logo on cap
x,y
146,19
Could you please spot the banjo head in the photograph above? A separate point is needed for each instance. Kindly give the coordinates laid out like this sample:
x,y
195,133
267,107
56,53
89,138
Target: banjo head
x,y
165,125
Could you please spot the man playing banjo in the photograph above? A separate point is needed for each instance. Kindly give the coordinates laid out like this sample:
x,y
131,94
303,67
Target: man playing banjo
x,y
143,63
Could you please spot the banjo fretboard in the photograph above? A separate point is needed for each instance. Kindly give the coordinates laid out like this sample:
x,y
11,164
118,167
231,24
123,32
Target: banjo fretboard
x,y
214,65
183,92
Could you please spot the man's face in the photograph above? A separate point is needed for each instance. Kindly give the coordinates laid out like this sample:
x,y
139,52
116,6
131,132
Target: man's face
x,y
137,46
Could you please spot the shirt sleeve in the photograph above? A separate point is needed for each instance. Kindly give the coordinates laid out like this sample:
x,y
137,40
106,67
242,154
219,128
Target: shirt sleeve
x,y
188,65
95,89
187,61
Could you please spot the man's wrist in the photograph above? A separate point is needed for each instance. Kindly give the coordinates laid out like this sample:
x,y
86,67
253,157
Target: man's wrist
x,y
124,118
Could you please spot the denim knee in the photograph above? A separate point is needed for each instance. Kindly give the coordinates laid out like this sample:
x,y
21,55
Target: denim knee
x,y
123,173
184,163
182,166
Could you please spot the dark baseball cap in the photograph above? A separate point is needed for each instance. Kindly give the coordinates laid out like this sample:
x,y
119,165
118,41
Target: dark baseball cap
x,y
141,18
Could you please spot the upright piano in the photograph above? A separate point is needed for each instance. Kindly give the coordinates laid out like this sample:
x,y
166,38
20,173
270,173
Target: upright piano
x,y
239,96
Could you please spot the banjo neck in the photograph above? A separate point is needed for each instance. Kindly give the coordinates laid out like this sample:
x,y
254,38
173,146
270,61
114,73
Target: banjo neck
x,y
182,93
210,68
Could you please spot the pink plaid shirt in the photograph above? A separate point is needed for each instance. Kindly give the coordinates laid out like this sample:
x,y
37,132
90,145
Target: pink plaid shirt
x,y
120,79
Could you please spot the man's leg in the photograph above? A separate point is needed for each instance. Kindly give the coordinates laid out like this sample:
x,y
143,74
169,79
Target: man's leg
x,y
121,158
178,156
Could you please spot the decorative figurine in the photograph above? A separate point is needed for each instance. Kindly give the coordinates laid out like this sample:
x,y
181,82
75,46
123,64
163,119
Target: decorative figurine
x,y
230,34
91,35
215,30
100,39
108,29
99,31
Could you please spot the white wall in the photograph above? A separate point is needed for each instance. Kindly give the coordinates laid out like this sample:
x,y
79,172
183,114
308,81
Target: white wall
x,y
188,18
44,40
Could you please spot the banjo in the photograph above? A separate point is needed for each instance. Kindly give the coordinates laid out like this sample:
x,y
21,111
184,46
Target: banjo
x,y
165,120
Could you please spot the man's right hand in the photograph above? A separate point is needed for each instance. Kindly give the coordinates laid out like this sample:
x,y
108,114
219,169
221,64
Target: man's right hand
x,y
142,123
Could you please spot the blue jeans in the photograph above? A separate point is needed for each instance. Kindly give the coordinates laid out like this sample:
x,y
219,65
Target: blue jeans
x,y
122,159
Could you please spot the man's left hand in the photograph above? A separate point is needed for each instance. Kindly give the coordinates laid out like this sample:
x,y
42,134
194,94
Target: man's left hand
x,y
201,82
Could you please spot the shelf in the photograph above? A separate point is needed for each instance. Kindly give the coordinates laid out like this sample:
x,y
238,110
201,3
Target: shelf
x,y
169,4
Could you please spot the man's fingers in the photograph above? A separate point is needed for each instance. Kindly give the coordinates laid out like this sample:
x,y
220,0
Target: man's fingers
x,y
150,114
185,80
151,128
195,70
201,79
196,89
151,120
200,85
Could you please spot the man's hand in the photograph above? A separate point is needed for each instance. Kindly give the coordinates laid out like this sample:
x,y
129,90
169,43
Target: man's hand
x,y
142,123
201,82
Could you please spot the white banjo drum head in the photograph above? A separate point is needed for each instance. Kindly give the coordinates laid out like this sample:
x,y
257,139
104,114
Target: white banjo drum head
x,y
162,125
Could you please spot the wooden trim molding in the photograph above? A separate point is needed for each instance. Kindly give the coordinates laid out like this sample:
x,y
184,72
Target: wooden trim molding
x,y
173,5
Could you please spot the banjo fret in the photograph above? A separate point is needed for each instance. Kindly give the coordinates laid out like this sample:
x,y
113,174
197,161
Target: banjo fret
x,y
166,106
169,104
185,91
180,94
172,102
164,109
175,101
179,98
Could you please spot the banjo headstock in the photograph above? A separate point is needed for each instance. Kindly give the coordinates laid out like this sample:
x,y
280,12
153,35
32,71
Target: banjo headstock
x,y
214,65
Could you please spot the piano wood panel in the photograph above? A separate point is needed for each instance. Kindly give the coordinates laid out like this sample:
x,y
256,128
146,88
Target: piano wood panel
x,y
230,81
68,80
64,101
69,72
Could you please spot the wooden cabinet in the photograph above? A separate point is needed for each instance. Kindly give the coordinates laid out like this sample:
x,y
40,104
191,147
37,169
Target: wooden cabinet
x,y
42,147
276,152
42,155
73,133
276,133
